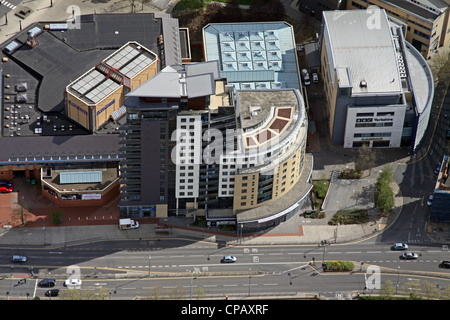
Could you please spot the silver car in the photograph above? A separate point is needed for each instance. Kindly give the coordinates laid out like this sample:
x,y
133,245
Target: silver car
x,y
409,256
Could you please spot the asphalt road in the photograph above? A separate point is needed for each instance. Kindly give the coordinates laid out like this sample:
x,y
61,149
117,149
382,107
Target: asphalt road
x,y
261,270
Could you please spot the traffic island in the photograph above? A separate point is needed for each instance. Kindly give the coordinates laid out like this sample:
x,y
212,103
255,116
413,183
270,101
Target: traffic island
x,y
338,266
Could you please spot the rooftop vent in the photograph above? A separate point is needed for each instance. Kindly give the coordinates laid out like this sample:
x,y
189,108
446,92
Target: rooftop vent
x,y
363,84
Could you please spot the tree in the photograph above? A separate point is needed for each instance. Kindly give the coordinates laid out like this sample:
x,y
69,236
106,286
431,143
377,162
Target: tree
x,y
155,293
387,290
176,293
276,9
232,12
366,158
385,200
257,11
430,291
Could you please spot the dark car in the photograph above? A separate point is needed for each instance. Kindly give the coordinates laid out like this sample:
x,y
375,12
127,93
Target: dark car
x,y
438,168
445,264
17,258
22,87
6,183
21,98
52,293
448,133
47,283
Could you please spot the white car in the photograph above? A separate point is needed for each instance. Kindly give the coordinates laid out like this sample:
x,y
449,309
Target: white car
x,y
305,76
315,77
400,246
409,255
228,259
72,283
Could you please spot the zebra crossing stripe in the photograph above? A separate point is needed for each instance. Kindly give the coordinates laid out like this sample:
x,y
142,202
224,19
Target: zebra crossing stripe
x,y
7,4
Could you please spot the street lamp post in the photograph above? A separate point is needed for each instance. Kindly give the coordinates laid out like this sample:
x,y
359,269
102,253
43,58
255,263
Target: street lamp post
x,y
149,264
249,279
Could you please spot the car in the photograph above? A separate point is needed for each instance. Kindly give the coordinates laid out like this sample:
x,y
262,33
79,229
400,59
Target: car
x,y
47,283
399,246
17,258
6,183
438,168
305,77
409,256
21,98
315,77
52,293
448,133
5,189
430,200
22,87
228,259
444,264
73,282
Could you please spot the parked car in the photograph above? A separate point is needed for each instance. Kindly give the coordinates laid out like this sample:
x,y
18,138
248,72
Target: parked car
x,y
445,264
21,98
409,256
399,246
315,77
17,258
305,76
228,259
72,282
5,189
430,200
21,87
438,168
6,183
448,133
47,283
52,293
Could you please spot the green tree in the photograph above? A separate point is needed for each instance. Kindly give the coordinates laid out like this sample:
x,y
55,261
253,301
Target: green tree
x,y
320,188
385,200
387,290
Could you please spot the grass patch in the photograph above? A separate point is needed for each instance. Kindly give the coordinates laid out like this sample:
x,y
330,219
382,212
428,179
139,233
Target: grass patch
x,y
320,188
339,265
349,217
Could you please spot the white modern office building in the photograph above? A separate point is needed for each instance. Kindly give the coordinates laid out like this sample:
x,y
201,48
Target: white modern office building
x,y
378,87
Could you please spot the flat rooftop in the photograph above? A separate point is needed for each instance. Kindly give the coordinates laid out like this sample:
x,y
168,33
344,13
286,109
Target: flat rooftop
x,y
32,120
117,69
253,55
268,114
427,9
359,49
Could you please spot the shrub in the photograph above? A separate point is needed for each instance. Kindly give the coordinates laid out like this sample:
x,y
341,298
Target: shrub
x,y
350,174
321,188
349,217
339,265
385,200
57,216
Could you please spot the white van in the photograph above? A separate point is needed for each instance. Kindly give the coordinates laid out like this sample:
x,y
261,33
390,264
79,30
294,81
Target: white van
x,y
125,224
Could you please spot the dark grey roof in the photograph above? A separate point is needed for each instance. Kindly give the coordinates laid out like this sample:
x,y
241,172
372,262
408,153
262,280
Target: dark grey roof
x,y
57,64
49,149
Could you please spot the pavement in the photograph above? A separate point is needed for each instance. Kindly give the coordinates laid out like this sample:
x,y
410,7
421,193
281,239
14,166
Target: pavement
x,y
80,227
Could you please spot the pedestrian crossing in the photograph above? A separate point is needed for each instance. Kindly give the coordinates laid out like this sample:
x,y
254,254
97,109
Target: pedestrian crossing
x,y
7,4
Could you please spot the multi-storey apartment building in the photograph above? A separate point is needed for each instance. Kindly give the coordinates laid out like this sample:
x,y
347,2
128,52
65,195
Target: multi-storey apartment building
x,y
427,21
377,104
232,155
